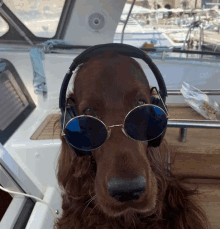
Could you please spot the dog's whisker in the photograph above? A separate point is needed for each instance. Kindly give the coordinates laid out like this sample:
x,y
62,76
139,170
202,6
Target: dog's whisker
x,y
90,200
132,218
93,209
92,178
90,193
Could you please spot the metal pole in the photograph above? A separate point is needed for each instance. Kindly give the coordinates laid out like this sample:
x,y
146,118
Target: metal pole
x,y
183,132
122,35
191,123
207,92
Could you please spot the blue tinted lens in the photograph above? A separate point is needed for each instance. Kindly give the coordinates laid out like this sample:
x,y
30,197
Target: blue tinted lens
x,y
145,123
86,133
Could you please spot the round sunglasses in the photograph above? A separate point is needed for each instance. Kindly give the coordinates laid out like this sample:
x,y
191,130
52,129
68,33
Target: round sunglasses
x,y
143,123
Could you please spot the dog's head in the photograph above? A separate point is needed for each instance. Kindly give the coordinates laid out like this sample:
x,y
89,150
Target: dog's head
x,y
123,180
124,184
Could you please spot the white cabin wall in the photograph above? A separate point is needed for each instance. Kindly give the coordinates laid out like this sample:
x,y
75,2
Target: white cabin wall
x,y
112,10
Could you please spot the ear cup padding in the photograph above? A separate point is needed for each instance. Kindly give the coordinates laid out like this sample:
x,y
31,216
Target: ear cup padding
x,y
154,100
69,115
156,142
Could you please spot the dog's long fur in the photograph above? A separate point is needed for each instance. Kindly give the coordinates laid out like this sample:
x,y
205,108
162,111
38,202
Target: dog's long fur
x,y
111,85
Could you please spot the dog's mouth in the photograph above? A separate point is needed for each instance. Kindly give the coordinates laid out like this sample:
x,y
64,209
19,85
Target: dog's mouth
x,y
132,211
128,197
130,207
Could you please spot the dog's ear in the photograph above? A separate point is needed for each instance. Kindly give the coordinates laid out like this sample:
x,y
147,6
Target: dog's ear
x,y
64,165
160,155
66,155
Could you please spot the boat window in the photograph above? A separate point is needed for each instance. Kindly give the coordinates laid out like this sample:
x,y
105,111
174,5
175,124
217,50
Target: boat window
x,y
3,26
40,17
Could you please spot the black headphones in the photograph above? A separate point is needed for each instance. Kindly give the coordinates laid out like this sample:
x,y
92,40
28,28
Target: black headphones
x,y
123,49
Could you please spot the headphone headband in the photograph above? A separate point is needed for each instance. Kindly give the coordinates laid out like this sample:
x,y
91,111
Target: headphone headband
x,y
123,49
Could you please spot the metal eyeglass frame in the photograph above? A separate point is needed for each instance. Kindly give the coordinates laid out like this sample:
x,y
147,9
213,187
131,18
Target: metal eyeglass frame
x,y
108,128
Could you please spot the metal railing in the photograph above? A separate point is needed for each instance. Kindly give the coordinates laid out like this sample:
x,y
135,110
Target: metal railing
x,y
207,92
181,51
77,49
183,124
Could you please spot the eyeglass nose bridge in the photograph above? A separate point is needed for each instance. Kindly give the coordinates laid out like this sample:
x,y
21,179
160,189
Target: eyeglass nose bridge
x,y
110,130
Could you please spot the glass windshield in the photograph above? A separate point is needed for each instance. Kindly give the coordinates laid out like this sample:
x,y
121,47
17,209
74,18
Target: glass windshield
x,y
40,16
3,26
188,25
183,25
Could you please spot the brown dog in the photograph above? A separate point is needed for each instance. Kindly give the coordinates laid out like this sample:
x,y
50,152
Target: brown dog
x,y
108,87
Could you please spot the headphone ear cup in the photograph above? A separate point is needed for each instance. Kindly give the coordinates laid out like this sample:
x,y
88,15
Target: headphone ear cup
x,y
154,100
69,115
156,142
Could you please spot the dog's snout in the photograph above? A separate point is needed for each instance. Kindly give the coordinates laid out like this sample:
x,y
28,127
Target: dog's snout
x,y
126,190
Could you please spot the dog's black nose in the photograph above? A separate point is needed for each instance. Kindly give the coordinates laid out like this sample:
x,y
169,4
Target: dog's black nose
x,y
126,190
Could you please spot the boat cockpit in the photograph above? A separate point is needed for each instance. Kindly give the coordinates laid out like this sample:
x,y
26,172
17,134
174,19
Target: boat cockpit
x,y
38,42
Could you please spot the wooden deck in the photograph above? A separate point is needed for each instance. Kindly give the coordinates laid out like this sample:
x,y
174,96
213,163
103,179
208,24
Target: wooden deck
x,y
45,130
209,198
199,155
196,161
